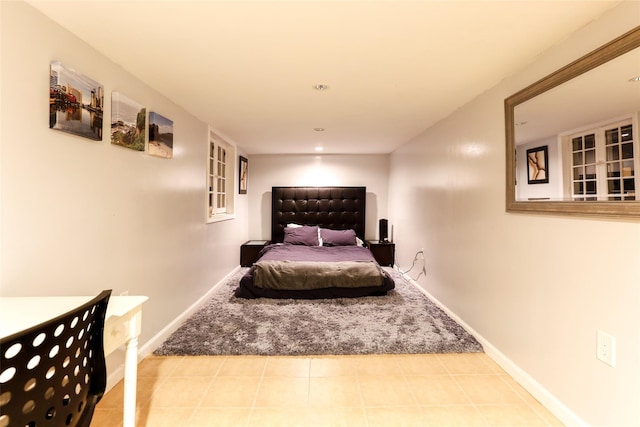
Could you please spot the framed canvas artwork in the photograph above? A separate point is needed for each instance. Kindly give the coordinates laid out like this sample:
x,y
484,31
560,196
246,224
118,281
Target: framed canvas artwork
x,y
128,122
76,103
160,136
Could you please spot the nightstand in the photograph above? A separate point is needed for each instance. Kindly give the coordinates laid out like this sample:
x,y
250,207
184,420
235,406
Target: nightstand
x,y
249,251
383,252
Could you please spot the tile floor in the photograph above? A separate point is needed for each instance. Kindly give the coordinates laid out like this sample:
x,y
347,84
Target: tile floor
x,y
354,391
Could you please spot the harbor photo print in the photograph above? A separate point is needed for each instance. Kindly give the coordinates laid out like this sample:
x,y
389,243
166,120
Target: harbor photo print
x,y
76,103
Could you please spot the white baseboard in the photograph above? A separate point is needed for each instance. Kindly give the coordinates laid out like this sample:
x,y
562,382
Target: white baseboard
x,y
162,336
117,374
541,394
114,376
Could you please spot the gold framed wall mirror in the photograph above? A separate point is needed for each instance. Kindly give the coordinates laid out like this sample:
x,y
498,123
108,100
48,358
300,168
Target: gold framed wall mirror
x,y
585,119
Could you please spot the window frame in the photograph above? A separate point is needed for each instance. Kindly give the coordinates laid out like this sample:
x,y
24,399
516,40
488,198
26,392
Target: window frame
x,y
220,173
597,130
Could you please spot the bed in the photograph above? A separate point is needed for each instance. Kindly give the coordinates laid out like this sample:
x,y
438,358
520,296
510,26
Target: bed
x,y
316,248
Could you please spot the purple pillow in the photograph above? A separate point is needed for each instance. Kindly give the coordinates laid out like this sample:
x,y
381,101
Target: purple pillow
x,y
301,235
338,237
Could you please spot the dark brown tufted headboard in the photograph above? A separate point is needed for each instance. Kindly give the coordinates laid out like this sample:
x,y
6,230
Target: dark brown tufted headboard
x,y
338,208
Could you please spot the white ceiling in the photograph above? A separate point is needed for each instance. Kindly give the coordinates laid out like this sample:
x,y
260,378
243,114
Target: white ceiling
x,y
394,68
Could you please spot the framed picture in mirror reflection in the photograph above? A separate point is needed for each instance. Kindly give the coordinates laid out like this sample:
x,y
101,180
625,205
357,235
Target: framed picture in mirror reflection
x,y
537,165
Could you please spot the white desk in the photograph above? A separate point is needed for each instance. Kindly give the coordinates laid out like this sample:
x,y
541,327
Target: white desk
x,y
123,324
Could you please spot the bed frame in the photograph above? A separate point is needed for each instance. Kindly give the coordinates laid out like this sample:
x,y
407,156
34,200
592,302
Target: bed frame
x,y
337,208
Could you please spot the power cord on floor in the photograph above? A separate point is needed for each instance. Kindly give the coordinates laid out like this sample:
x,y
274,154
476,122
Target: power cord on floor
x,y
419,255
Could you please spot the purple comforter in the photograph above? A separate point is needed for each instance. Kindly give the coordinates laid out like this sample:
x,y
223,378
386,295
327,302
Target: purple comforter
x,y
300,253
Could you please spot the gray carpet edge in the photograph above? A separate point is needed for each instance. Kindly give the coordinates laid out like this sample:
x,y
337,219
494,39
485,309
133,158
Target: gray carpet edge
x,y
405,321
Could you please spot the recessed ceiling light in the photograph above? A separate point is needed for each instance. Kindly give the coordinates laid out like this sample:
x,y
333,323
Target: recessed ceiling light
x,y
321,87
635,79
319,148
319,129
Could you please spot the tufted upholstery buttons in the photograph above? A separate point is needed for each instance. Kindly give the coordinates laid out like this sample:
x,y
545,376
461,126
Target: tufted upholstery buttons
x,y
331,207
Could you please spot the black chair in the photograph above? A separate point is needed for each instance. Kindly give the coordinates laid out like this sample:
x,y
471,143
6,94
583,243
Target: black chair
x,y
54,373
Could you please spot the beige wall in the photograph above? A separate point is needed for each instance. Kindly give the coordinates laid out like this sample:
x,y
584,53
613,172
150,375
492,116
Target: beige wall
x,y
536,287
266,171
79,216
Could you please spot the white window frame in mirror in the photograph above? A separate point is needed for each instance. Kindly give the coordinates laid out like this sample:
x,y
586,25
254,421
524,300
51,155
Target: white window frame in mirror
x,y
600,162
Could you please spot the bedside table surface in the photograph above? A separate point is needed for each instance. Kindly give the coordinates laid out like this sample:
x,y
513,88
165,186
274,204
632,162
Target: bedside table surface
x,y
256,242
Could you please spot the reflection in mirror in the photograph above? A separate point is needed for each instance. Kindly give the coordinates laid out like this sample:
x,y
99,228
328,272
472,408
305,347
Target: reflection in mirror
x,y
589,125
573,141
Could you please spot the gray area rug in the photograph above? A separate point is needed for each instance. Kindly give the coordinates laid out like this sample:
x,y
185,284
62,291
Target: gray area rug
x,y
403,322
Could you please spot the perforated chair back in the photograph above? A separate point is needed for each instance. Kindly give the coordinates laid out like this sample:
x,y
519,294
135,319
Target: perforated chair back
x,y
54,373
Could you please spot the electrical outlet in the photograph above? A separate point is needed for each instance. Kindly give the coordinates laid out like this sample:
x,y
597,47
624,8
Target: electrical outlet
x,y
606,348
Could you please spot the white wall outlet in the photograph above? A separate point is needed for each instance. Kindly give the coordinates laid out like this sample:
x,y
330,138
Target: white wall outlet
x,y
606,348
